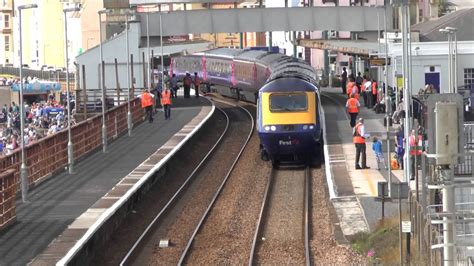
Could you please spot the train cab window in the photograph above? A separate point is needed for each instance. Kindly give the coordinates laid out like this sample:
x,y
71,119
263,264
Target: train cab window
x,y
288,102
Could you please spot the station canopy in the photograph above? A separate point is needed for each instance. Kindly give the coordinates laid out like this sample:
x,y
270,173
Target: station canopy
x,y
38,86
354,47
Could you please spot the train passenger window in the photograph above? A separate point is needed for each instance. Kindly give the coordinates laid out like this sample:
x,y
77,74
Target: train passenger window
x,y
288,102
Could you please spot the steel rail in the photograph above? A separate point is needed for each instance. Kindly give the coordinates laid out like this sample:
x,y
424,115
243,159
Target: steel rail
x,y
132,252
307,176
260,217
219,190
306,215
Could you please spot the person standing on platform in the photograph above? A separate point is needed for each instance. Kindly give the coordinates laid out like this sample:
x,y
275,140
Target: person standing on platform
x,y
359,79
349,86
147,104
157,92
197,83
359,141
374,93
377,148
166,102
352,106
416,149
187,81
343,80
174,86
368,93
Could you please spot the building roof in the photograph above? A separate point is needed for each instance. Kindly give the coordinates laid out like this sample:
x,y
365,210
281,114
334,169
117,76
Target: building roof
x,y
463,20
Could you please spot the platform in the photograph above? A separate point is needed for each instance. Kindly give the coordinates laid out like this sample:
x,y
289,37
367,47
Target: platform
x,y
353,192
56,203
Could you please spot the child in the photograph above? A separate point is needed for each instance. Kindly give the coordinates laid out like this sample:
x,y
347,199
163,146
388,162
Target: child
x,y
377,148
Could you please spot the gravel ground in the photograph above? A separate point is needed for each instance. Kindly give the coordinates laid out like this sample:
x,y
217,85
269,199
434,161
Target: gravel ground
x,y
282,237
227,236
198,197
129,231
324,247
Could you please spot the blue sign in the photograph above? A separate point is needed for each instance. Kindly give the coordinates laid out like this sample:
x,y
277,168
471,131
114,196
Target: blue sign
x,y
38,86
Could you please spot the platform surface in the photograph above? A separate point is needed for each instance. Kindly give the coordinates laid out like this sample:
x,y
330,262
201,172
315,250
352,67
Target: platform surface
x,y
57,202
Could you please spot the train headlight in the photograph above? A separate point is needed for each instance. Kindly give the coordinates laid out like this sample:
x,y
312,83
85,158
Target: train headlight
x,y
267,128
305,127
311,127
273,128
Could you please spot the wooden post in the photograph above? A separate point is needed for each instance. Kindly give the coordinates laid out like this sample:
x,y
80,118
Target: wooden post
x,y
84,91
132,77
144,71
117,82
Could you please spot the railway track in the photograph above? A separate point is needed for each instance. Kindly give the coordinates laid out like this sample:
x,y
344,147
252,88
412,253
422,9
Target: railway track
x,y
282,233
175,209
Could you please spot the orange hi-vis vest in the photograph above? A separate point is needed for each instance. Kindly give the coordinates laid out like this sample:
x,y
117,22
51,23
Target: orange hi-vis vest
x,y
352,105
374,87
166,97
418,146
349,86
358,139
147,100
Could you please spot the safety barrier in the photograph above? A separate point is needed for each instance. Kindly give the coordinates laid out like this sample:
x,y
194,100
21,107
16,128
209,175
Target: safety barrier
x,y
425,234
49,155
41,74
7,198
466,168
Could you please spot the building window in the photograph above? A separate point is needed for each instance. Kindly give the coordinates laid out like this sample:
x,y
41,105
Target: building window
x,y
7,43
468,76
7,21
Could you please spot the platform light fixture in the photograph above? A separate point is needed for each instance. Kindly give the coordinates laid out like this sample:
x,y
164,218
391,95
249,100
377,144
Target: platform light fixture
x,y
102,81
70,153
23,167
454,68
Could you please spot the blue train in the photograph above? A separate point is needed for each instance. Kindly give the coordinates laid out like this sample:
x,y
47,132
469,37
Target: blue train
x,y
288,104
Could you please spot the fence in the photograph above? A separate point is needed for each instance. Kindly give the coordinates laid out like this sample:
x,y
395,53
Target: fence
x,y
49,155
40,74
7,198
466,167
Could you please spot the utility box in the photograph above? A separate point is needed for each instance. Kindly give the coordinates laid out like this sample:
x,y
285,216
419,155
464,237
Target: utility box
x,y
447,133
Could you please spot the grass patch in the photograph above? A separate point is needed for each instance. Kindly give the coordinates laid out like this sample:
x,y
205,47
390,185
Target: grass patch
x,y
382,243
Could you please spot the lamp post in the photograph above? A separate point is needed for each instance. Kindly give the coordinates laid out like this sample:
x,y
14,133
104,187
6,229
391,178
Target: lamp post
x,y
129,114
161,46
23,168
70,154
148,52
454,62
388,106
102,81
448,31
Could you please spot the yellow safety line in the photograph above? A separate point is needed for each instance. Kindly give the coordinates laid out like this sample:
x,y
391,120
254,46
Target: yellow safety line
x,y
371,185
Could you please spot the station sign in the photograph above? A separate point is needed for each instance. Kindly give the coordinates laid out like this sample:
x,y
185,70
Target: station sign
x,y
378,61
406,226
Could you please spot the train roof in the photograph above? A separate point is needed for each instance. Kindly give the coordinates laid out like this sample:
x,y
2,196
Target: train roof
x,y
227,52
282,84
251,55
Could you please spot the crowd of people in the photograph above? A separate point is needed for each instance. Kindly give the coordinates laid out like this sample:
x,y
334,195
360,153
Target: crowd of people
x,y
41,119
373,97
10,81
160,96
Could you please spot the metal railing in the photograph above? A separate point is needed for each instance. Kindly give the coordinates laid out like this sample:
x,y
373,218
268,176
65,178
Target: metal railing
x,y
466,167
40,74
49,155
